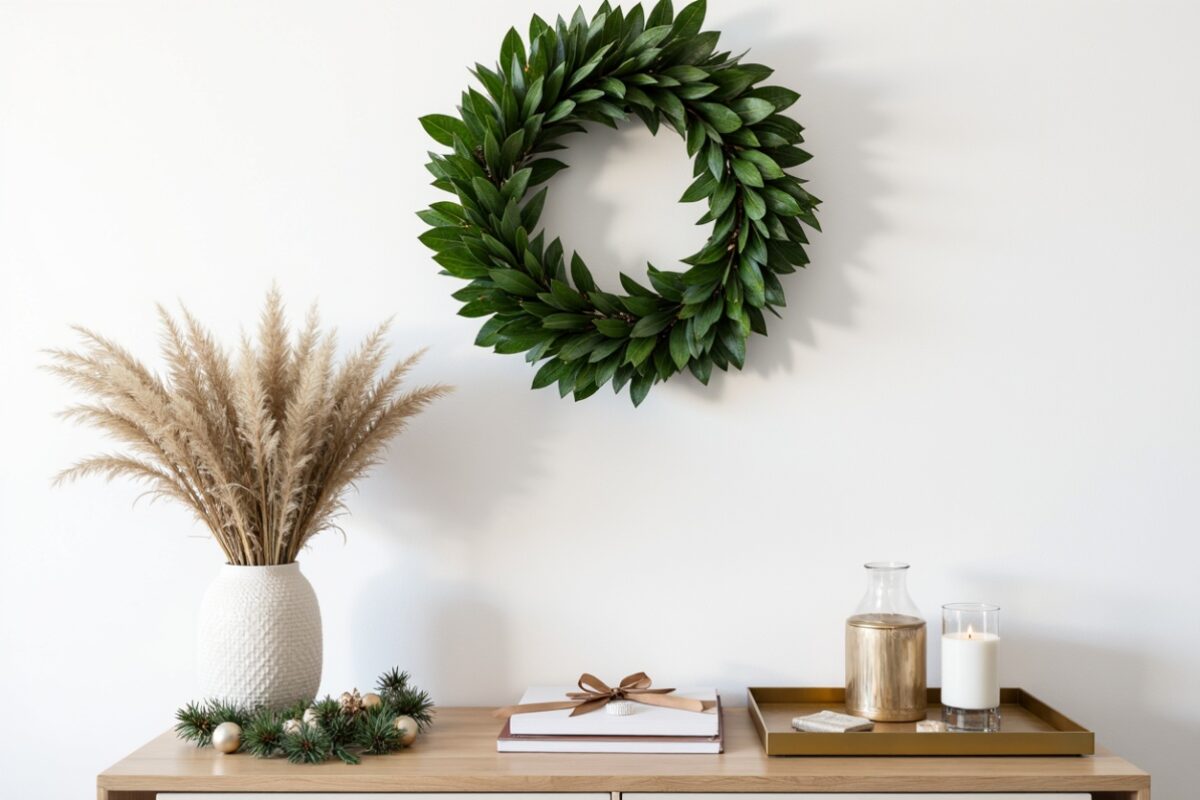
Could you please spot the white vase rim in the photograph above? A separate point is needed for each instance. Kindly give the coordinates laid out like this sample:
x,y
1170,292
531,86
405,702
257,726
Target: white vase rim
x,y
290,567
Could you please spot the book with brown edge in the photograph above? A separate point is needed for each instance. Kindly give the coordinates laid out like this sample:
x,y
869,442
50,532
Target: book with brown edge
x,y
509,742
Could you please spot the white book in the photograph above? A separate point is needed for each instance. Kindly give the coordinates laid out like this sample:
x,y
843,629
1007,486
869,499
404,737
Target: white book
x,y
591,745
644,721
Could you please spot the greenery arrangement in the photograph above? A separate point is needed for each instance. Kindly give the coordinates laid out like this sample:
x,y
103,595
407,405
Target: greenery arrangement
x,y
663,69
310,733
262,450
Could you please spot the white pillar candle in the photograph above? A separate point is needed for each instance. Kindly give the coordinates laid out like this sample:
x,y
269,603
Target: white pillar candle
x,y
970,678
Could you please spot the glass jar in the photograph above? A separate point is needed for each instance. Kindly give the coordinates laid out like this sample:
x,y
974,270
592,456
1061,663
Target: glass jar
x,y
885,649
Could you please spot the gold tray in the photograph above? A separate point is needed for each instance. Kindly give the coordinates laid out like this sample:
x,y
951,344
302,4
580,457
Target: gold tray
x,y
1028,727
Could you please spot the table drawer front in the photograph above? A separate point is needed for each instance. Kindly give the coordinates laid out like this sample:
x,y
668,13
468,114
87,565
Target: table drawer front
x,y
859,796
384,795
624,796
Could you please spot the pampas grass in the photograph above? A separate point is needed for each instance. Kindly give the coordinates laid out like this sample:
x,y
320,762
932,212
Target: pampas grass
x,y
262,448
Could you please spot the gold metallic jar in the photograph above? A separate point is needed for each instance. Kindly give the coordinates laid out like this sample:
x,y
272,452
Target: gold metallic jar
x,y
885,650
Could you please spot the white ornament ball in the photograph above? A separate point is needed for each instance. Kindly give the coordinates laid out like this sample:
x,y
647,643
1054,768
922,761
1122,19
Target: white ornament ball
x,y
310,716
292,726
371,700
227,737
407,726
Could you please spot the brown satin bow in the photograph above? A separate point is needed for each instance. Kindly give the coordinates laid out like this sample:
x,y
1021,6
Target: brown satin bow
x,y
595,693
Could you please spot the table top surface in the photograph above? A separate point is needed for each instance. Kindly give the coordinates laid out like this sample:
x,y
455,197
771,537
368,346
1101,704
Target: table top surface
x,y
459,755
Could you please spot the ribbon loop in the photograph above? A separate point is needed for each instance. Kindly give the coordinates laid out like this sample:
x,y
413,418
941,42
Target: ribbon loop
x,y
593,685
638,680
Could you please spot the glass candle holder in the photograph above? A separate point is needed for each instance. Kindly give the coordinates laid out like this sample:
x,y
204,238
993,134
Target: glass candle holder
x,y
970,674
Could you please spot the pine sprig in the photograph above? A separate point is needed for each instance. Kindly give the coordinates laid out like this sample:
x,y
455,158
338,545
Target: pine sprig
x,y
377,732
412,702
308,745
228,712
394,680
342,728
328,712
393,686
660,67
195,724
196,721
263,735
346,756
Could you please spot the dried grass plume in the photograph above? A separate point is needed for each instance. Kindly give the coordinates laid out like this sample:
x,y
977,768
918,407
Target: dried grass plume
x,y
262,448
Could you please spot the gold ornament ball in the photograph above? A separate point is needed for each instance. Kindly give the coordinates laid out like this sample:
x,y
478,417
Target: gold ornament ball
x,y
227,737
371,700
292,726
310,716
407,726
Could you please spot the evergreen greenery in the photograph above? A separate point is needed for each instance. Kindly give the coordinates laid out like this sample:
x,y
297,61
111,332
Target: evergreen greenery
x,y
195,724
328,711
332,732
196,721
404,699
263,735
376,732
308,745
663,69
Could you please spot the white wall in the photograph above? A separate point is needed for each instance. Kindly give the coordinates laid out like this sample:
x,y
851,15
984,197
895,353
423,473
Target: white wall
x,y
990,370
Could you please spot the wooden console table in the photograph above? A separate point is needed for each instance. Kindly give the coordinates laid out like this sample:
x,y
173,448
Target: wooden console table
x,y
459,755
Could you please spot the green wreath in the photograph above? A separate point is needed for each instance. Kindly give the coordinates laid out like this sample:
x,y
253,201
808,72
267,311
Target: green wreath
x,y
662,68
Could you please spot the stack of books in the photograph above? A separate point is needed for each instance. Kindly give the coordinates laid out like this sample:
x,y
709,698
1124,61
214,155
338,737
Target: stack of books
x,y
648,729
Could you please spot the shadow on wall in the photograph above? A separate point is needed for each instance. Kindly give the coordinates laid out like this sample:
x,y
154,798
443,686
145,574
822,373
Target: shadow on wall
x,y
465,458
1107,690
457,643
840,118
451,471
1104,688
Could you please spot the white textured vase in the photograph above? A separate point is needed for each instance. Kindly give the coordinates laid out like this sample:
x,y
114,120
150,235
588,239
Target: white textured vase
x,y
260,637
